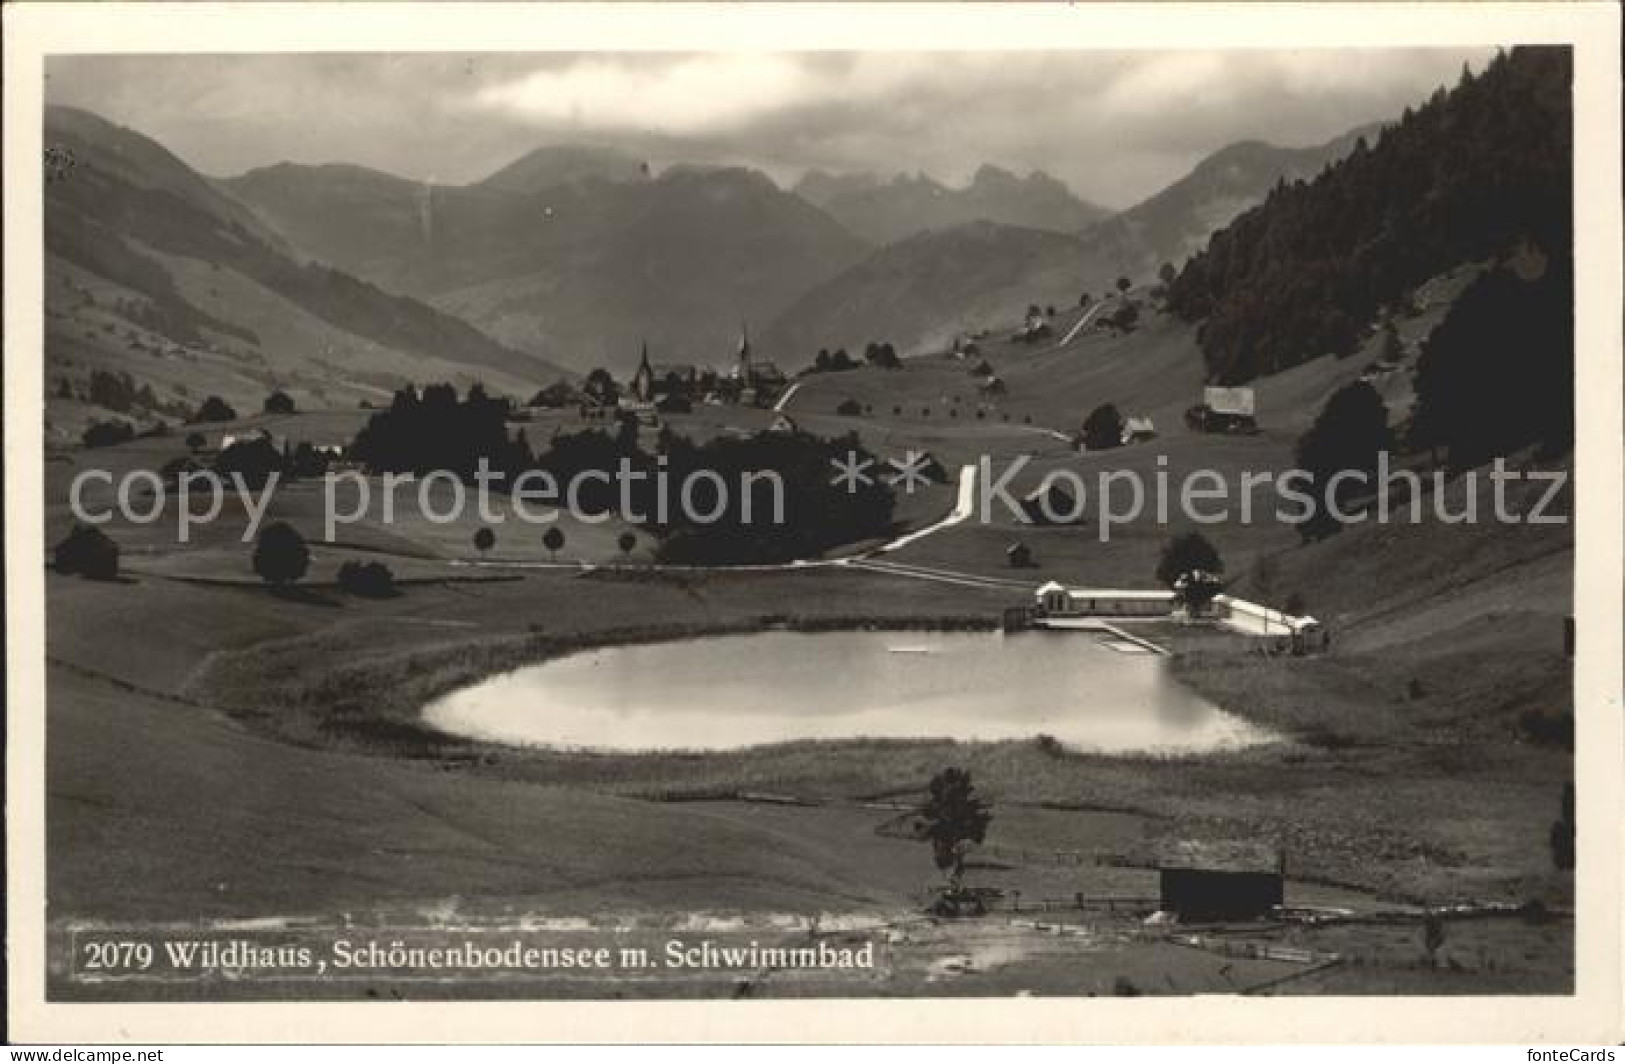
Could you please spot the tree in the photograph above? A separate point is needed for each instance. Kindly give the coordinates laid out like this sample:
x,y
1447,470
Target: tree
x,y
1124,284
484,540
1562,834
1498,373
254,460
553,540
555,396
883,355
601,387
214,409
196,441
281,556
88,552
279,402
1433,935
849,408
1103,428
1186,554
626,541
1166,273
1085,299
955,819
1348,436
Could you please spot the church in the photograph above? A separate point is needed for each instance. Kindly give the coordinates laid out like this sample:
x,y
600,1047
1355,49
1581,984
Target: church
x,y
754,382
656,381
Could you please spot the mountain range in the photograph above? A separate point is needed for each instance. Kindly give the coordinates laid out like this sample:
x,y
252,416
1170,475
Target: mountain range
x,y
921,291
340,277
580,263
908,205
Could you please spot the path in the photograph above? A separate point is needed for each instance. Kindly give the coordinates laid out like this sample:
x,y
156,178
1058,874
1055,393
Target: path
x,y
778,407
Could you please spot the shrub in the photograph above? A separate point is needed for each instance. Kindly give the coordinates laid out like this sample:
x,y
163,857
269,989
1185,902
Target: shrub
x,y
367,580
88,552
107,433
849,408
279,402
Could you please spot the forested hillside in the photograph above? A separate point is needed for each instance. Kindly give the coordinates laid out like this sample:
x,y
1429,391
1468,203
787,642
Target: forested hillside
x,y
1470,175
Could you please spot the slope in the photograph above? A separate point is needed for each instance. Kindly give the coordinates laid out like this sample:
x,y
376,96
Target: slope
x,y
148,263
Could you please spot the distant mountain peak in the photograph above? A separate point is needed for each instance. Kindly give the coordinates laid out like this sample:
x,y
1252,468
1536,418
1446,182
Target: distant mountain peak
x,y
911,203
553,165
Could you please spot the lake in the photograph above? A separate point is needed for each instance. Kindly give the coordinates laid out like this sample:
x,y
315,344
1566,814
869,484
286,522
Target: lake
x,y
733,691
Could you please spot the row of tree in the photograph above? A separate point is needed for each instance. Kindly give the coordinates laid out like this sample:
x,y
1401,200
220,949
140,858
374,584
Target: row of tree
x,y
724,524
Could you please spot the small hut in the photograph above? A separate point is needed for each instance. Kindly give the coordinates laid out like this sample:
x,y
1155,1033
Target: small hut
x,y
1213,881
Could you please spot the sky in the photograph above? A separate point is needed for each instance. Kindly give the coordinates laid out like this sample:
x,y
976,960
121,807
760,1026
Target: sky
x,y
1116,126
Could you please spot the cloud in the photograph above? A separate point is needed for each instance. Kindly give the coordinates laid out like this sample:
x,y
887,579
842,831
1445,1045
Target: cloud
x,y
1116,125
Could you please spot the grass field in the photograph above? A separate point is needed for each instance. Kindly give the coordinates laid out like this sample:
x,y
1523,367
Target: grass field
x,y
217,749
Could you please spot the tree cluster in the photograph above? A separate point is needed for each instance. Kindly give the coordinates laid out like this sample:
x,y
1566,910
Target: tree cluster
x,y
434,430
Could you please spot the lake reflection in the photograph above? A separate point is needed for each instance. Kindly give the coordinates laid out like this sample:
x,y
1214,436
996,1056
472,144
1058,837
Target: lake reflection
x,y
726,692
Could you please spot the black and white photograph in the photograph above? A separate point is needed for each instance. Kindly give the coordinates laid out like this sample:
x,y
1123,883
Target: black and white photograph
x,y
646,522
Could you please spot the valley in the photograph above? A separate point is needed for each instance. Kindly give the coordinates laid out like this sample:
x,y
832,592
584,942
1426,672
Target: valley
x,y
230,745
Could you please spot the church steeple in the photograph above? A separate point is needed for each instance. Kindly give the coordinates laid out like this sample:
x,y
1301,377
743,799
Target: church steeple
x,y
644,379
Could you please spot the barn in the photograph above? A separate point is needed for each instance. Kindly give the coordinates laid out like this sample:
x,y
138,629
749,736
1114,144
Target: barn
x,y
1214,881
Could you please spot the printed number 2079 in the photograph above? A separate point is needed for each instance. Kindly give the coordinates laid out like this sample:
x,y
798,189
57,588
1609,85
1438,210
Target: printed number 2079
x,y
117,956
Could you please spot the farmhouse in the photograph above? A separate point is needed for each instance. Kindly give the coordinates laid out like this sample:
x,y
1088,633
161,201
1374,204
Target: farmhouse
x,y
1224,410
1205,881
1138,430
